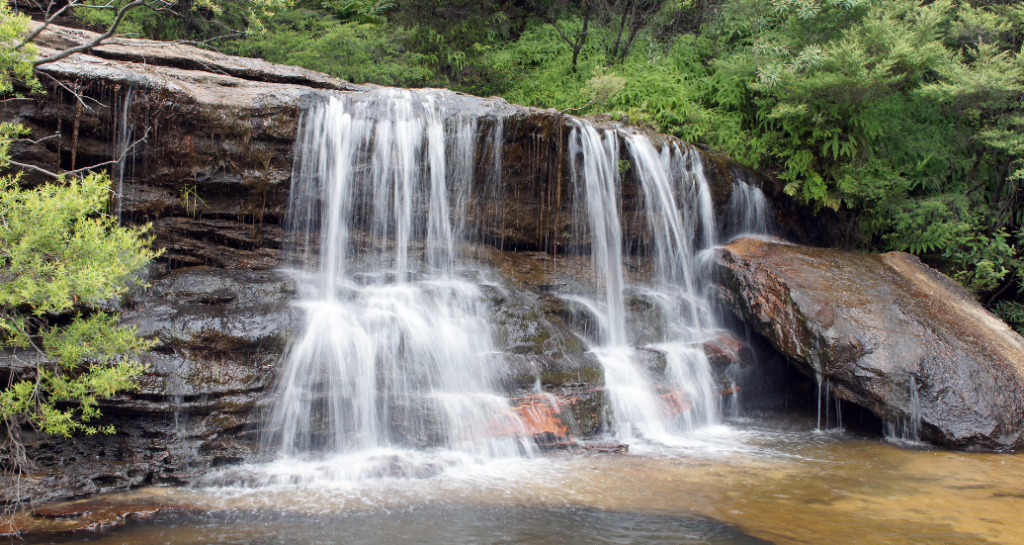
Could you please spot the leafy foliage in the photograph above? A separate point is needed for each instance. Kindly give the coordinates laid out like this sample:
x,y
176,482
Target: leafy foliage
x,y
908,112
359,52
911,113
15,61
60,257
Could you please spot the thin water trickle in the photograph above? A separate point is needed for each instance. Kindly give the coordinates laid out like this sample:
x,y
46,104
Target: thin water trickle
x,y
907,427
121,155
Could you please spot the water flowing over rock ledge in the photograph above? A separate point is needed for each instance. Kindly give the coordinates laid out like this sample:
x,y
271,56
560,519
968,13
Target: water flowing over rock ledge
x,y
214,175
208,144
888,333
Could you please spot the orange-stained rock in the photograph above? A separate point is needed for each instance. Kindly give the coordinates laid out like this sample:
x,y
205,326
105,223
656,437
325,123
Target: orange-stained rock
x,y
92,514
880,326
541,413
676,401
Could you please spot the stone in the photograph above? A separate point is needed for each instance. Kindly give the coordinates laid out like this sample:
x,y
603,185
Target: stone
x,y
725,349
888,332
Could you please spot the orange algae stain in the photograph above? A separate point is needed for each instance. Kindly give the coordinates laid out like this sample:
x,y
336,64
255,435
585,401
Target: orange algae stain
x,y
528,416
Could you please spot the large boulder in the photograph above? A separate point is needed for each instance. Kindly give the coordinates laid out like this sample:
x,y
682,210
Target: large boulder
x,y
888,333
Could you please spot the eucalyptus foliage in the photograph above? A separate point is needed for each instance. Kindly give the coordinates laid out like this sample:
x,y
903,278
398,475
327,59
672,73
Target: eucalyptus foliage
x,y
15,62
61,258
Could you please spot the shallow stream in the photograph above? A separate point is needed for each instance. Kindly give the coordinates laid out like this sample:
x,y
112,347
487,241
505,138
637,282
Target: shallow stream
x,y
774,479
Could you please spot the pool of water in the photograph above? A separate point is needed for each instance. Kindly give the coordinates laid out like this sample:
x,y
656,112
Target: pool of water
x,y
773,479
522,525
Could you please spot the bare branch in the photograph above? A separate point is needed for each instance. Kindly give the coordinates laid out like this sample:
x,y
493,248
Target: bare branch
x,y
560,33
30,141
78,96
85,47
83,169
587,105
34,168
51,19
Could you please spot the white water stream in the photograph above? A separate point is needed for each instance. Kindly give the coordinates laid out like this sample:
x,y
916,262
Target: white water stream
x,y
392,354
391,362
678,208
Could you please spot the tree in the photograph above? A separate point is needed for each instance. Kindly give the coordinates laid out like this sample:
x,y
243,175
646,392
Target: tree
x,y
62,258
579,38
632,16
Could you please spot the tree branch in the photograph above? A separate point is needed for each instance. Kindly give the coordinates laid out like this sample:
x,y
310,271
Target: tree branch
x,y
85,47
560,33
585,106
45,138
51,19
83,169
32,167
78,96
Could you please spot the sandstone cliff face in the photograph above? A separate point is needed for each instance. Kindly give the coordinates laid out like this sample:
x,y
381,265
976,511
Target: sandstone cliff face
x,y
213,173
206,145
889,334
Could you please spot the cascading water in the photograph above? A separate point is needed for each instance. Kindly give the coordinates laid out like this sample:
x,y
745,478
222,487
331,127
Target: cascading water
x,y
633,401
680,221
392,353
748,212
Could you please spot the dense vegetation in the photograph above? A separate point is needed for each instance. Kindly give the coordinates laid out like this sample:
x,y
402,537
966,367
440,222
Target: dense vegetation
x,y
908,113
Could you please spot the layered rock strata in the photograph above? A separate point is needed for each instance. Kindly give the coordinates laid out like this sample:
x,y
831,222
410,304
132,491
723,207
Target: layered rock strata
x,y
203,146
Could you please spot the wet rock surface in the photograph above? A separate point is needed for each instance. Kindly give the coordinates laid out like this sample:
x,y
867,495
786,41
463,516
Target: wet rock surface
x,y
204,150
97,513
888,333
220,335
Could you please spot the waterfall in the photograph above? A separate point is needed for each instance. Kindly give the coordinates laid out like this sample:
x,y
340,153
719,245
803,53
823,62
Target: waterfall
x,y
680,221
392,355
392,352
